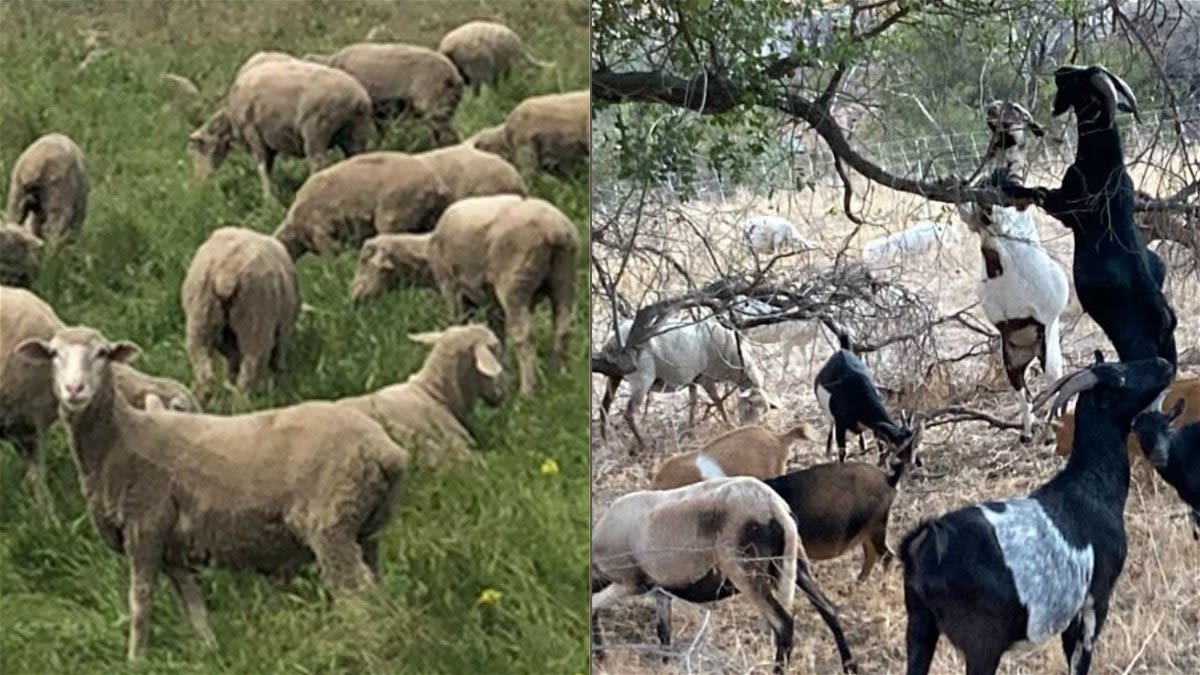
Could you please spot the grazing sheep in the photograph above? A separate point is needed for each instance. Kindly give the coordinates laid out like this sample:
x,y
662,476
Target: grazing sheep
x,y
549,132
926,235
749,451
702,543
19,251
1013,573
430,410
485,51
377,192
280,105
504,250
1174,452
1024,290
468,172
27,403
241,300
402,77
770,234
267,491
48,188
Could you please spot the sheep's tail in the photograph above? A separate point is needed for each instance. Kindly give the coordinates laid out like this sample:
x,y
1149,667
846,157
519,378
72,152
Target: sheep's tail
x,y
1054,363
801,432
224,283
535,61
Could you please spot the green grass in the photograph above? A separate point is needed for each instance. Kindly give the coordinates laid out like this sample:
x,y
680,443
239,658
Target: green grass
x,y
503,525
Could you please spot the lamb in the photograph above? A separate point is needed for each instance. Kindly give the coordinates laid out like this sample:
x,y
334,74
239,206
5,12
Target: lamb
x,y
428,413
847,393
1024,291
267,491
749,451
48,188
1012,573
771,234
377,192
469,172
702,543
796,334
1175,452
549,132
401,76
19,253
240,299
484,52
501,250
27,404
285,106
926,235
1113,276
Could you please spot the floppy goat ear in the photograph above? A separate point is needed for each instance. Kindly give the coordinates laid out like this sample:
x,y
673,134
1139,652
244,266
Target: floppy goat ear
x,y
1176,410
1125,100
1030,124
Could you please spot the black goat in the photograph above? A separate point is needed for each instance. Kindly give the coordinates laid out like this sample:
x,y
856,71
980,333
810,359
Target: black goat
x,y
847,393
1174,453
1010,573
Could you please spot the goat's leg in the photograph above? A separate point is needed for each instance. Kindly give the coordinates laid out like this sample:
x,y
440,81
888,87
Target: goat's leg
x,y
693,395
829,442
921,635
840,432
710,388
862,444
600,600
1079,639
191,603
638,389
813,592
663,622
870,556
1016,378
758,591
879,540
610,390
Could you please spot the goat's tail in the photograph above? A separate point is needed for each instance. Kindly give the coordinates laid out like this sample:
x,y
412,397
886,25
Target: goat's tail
x,y
915,552
801,432
1053,364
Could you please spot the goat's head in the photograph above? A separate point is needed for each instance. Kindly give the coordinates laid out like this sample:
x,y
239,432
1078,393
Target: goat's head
x,y
1121,390
1007,121
912,429
752,404
1153,428
1095,93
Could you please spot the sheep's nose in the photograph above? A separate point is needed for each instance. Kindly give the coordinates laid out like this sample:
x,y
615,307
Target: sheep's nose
x,y
73,389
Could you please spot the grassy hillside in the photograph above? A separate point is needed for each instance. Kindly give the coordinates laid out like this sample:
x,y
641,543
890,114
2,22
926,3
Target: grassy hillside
x,y
506,525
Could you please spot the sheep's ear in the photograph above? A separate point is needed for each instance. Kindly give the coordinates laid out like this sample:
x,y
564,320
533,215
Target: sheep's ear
x,y
428,339
153,403
1176,410
121,352
485,361
35,350
384,261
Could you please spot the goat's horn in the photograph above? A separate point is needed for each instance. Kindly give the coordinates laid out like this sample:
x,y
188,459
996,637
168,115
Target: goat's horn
x,y
1065,388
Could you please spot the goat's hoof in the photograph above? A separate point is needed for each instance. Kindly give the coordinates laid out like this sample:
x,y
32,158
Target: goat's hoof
x,y
1026,438
850,667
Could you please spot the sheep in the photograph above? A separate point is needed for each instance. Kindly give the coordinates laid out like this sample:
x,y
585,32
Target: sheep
x,y
924,236
48,188
27,404
266,491
771,234
1012,573
502,250
846,392
548,132
469,172
485,51
677,353
284,106
702,543
1175,452
749,451
19,253
1113,276
240,299
377,192
794,334
1024,291
431,409
401,76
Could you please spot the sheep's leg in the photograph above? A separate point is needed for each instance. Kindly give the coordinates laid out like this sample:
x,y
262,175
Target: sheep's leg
x,y
921,636
341,561
255,339
200,353
264,159
28,445
191,603
453,300
316,145
519,327
143,571
562,291
370,554
819,602
663,622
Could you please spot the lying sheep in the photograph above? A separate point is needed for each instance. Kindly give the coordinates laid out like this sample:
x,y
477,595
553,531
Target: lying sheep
x,y
266,491
27,403
406,77
378,192
504,250
469,172
549,132
428,413
48,188
771,234
750,451
702,543
240,299
19,251
285,106
924,236
485,51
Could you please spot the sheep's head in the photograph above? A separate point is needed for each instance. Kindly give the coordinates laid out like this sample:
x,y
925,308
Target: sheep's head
x,y
1119,390
491,140
376,271
80,360
173,396
1153,428
289,235
474,355
209,145
1093,92
19,251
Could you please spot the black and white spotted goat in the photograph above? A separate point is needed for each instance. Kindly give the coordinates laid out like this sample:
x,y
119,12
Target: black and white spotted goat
x,y
1012,573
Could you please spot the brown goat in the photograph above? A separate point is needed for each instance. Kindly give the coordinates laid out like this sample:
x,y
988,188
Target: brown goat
x,y
749,451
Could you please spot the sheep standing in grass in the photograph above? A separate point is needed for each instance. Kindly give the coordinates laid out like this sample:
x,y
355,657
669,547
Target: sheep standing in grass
x,y
548,132
19,251
768,235
502,250
267,491
48,188
469,172
428,413
485,51
280,105
241,300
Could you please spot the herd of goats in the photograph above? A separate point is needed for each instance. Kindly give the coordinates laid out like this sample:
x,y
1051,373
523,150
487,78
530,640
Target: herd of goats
x,y
993,576
174,489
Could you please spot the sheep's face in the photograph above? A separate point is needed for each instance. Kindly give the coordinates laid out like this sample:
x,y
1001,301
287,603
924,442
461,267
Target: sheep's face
x,y
490,140
209,145
376,271
79,360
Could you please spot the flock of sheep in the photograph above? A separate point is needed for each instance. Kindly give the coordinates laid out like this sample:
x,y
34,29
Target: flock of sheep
x,y
174,489
991,577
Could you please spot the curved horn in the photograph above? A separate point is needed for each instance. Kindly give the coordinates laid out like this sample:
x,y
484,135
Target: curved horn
x,y
1065,388
1122,90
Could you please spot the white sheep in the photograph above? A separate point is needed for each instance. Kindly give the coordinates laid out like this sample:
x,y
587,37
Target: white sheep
x,y
926,235
770,234
48,188
485,51
550,132
267,491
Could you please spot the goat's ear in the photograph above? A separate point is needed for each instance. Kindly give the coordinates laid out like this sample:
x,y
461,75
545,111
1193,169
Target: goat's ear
x,y
1176,410
34,349
428,339
1125,100
485,361
121,352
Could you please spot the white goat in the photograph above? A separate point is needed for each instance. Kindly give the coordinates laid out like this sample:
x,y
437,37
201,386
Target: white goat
x,y
922,237
795,334
770,234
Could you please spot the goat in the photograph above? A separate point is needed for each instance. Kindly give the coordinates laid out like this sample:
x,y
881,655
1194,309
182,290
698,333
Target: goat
x,y
702,543
1012,573
924,236
771,234
793,334
1174,453
749,451
1024,291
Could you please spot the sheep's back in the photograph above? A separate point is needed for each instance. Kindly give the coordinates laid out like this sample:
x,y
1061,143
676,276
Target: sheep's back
x,y
397,71
278,96
26,395
415,421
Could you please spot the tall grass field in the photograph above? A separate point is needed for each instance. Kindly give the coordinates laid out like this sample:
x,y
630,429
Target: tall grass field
x,y
483,567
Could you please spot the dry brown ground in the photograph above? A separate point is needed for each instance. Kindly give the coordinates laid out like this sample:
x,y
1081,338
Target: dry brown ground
x,y
1154,623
